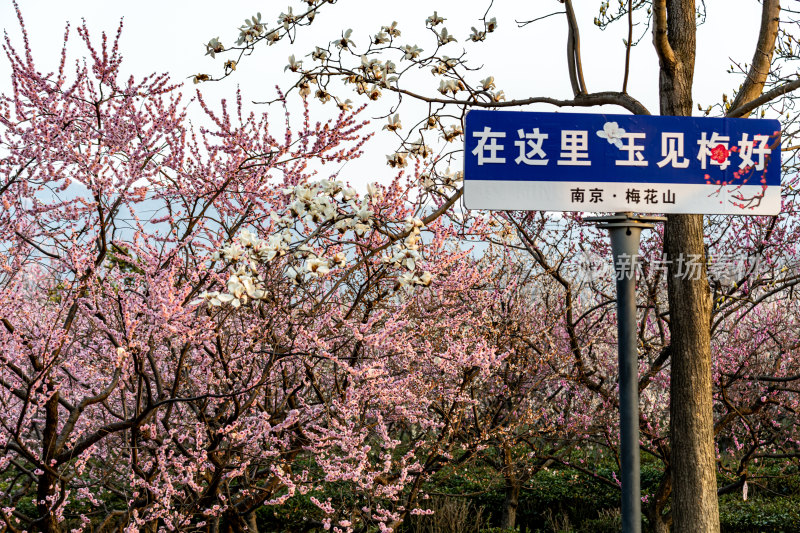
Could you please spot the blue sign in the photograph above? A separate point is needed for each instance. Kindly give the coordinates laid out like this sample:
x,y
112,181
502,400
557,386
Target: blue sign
x,y
598,162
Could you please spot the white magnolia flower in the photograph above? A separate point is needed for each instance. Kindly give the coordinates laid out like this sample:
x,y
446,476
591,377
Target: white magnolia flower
x,y
320,54
361,229
273,37
343,225
233,252
293,275
394,123
316,266
477,35
235,286
325,208
427,181
228,298
613,133
412,51
405,279
297,208
269,250
363,213
287,18
348,194
425,278
413,222
323,95
368,64
252,289
434,19
331,186
452,176
488,83
203,297
374,92
391,30
453,86
293,65
397,160
445,37
407,258
304,193
345,41
248,238
452,133
373,191
214,47
421,149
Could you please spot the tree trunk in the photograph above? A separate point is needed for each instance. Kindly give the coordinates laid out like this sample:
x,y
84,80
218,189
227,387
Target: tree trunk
x,y
694,483
46,486
694,488
656,521
509,519
252,524
659,522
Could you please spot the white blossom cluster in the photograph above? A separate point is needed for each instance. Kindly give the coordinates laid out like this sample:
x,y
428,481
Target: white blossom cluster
x,y
246,252
311,208
447,180
406,254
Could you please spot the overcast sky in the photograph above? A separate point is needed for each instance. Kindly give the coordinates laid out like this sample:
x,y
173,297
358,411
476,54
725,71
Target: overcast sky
x,y
169,36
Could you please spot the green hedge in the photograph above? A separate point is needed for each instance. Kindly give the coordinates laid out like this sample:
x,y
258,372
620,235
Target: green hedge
x,y
780,514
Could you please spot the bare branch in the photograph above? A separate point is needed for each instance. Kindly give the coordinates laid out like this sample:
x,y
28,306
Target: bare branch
x,y
581,100
666,55
762,57
628,46
744,109
574,52
522,23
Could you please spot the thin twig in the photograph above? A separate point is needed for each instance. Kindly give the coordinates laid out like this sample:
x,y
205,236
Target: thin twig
x,y
537,19
628,47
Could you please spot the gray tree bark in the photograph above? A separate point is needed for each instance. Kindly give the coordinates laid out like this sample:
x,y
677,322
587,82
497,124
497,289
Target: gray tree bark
x,y
509,518
694,487
693,459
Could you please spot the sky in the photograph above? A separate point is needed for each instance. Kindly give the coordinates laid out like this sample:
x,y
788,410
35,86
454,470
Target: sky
x,y
169,36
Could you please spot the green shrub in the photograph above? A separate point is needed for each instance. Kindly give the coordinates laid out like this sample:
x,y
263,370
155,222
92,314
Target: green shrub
x,y
774,515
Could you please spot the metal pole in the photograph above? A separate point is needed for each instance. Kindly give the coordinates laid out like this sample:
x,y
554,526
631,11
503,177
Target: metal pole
x,y
625,231
625,250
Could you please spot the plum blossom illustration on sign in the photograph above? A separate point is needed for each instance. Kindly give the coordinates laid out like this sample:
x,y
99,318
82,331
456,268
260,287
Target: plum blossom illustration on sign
x,y
720,153
613,133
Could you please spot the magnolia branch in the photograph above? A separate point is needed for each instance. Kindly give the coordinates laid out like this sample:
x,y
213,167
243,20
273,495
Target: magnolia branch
x,y
744,109
581,100
762,57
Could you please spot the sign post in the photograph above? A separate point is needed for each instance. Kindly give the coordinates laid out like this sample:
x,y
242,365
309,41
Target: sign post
x,y
625,231
622,163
